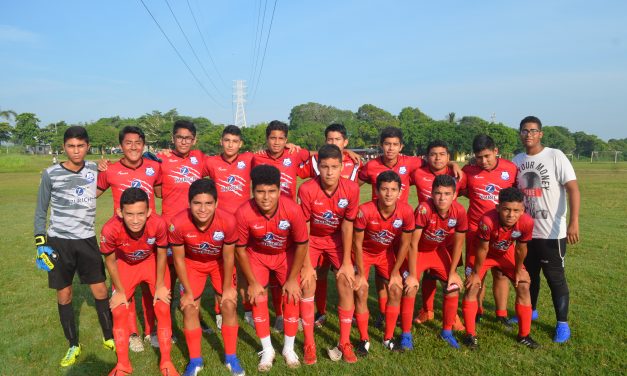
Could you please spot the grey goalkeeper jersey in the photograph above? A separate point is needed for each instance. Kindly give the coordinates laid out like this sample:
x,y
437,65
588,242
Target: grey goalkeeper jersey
x,y
71,197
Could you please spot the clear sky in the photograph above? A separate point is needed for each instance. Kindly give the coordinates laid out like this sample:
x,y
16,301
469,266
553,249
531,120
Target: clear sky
x,y
563,61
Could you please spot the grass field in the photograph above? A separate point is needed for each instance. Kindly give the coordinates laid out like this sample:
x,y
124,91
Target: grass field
x,y
32,342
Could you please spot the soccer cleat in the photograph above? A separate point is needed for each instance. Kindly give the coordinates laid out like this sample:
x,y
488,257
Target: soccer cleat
x,y
562,332
219,321
248,318
267,357
291,359
168,369
347,352
335,354
379,322
390,345
173,338
309,357
205,328
528,341
121,370
507,325
278,324
458,326
70,356
320,320
471,341
135,343
194,366
363,347
534,317
232,364
108,344
424,316
152,339
447,335
406,342
478,317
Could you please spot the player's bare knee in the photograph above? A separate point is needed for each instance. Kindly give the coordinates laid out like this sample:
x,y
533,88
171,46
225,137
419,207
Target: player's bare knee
x,y
228,307
64,296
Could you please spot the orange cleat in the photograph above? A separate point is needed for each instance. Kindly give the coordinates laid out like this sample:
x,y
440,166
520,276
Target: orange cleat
x,y
167,369
457,325
347,353
310,355
121,370
424,316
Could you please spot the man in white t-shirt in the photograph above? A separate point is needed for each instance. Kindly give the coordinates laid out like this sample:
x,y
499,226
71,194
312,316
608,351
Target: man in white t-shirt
x,y
547,178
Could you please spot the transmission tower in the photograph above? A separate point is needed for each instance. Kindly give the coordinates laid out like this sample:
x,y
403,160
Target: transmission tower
x,y
239,98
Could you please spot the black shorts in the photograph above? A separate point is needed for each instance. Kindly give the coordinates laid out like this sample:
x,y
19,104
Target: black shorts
x,y
82,255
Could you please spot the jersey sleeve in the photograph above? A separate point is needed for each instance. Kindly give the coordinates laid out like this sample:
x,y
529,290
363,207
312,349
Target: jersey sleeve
x,y
299,227
363,173
175,236
563,168
108,237
462,219
353,203
463,184
305,202
230,226
207,169
306,170
242,227
421,217
162,233
43,202
361,221
526,228
409,223
485,228
103,181
157,174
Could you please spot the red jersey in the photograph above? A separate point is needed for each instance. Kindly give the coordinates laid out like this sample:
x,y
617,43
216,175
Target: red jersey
x,y
483,187
232,179
404,167
439,231
381,232
288,164
502,239
203,245
423,179
325,213
115,238
119,177
350,169
271,235
177,174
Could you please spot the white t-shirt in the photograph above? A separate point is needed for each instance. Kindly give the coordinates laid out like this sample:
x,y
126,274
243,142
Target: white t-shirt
x,y
542,178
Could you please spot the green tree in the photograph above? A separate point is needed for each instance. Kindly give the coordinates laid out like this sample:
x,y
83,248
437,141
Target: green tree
x,y
5,132
585,143
8,115
254,137
26,131
451,117
558,138
101,136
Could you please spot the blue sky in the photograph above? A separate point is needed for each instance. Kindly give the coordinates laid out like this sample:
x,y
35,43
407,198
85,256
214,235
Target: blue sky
x,y
564,61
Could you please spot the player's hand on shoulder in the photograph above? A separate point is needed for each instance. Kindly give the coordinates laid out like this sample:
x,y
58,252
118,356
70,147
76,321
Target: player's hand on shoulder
x,y
292,148
103,164
353,156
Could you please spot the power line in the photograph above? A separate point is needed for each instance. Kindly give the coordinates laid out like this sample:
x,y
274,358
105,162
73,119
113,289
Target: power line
x,y
258,47
192,48
205,44
254,49
263,58
180,56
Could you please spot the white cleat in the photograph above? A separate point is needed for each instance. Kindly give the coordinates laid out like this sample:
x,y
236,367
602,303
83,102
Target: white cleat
x,y
265,363
335,354
219,322
135,343
291,359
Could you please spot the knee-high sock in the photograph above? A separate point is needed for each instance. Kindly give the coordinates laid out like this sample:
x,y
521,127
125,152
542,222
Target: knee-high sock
x,y
346,321
469,310
407,313
68,323
216,307
132,317
121,333
229,336
391,315
383,302
449,311
428,293
321,296
247,306
307,314
104,317
362,324
290,317
192,337
277,300
261,316
164,329
149,311
524,319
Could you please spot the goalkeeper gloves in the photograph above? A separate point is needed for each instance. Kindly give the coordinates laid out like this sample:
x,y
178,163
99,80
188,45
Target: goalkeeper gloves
x,y
46,256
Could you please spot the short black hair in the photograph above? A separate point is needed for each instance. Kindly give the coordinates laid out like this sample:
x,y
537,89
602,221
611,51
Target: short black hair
x,y
184,124
330,151
444,181
265,175
388,177
336,127
131,129
276,125
437,144
530,119
482,142
232,129
202,186
133,195
391,132
76,131
511,194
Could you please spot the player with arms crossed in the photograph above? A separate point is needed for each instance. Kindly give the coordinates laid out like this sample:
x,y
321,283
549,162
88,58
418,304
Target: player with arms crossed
x,y
134,243
203,241
330,203
69,190
502,237
547,178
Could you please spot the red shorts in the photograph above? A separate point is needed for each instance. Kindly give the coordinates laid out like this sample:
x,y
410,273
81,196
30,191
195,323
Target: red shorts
x,y
471,249
264,265
505,263
383,263
326,252
131,275
436,262
197,273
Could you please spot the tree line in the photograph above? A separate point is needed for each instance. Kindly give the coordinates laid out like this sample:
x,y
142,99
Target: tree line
x,y
307,123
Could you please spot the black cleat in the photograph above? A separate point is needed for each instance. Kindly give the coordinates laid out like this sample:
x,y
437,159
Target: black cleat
x,y
528,341
507,325
478,317
362,348
471,342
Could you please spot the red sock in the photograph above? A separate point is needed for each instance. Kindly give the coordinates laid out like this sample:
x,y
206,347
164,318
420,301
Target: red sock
x,y
261,316
391,315
216,307
247,306
229,336
193,337
428,293
132,317
277,300
121,333
480,309
321,296
307,314
524,319
501,313
362,324
149,311
164,329
383,302
346,321
469,310
407,313
449,311
290,317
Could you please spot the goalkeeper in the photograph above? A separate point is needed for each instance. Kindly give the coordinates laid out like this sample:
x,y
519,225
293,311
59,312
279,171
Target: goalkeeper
x,y
69,245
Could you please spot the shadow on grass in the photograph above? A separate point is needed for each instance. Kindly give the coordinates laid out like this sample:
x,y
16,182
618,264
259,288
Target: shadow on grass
x,y
89,365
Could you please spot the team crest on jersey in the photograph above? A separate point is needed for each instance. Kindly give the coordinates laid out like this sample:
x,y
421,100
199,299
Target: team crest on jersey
x,y
397,223
360,214
193,160
218,235
287,162
151,241
484,227
184,170
516,234
284,224
422,210
342,203
136,184
402,170
171,227
505,175
452,222
150,171
241,165
90,177
103,239
79,191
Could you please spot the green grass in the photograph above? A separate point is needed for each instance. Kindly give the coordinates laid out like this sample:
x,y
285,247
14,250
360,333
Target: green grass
x,y
32,342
